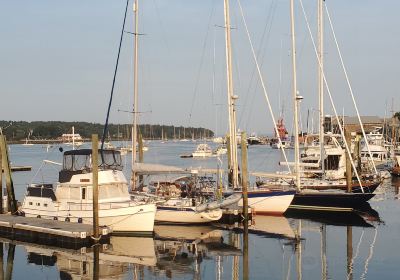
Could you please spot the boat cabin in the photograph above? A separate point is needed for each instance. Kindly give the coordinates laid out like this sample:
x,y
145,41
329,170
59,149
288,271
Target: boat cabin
x,y
80,162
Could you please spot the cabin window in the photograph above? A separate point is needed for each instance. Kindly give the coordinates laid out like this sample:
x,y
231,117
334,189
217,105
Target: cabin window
x,y
45,205
332,162
83,193
37,204
30,203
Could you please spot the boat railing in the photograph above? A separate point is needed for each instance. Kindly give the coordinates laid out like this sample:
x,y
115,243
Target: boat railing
x,y
75,206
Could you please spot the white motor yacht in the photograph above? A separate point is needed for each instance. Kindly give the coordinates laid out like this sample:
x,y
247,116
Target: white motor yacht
x,y
71,199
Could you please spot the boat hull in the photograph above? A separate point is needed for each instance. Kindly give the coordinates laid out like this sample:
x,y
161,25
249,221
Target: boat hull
x,y
367,187
186,215
331,199
138,219
269,202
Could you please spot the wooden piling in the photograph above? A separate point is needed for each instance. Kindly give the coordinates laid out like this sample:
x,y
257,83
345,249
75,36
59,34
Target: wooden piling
x,y
349,174
230,169
10,261
246,250
95,171
141,156
1,183
245,180
349,253
1,261
96,262
7,170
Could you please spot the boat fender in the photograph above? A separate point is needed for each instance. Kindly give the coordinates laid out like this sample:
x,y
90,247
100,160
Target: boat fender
x,y
38,216
80,220
55,218
67,219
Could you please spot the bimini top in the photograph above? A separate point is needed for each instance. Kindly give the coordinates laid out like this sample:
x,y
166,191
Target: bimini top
x,y
81,159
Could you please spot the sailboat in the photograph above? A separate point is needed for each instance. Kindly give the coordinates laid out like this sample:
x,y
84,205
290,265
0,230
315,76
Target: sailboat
x,y
27,143
180,199
170,209
263,201
315,198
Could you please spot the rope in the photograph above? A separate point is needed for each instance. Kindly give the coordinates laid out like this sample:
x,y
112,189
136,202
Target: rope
x,y
330,98
113,82
263,85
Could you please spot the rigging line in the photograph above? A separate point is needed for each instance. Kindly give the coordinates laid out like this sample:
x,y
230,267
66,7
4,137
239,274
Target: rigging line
x,y
371,252
263,85
350,87
113,82
266,34
201,65
262,56
161,26
356,255
331,99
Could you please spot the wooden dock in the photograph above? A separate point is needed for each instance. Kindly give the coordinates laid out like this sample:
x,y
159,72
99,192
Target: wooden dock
x,y
50,232
20,168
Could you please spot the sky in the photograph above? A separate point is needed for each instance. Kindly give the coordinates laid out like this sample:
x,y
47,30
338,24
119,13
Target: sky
x,y
57,60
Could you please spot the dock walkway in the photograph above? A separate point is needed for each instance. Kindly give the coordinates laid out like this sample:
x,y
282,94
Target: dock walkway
x,y
49,232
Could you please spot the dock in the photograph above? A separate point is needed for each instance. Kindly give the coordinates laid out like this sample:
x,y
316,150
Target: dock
x,y
21,168
50,232
17,168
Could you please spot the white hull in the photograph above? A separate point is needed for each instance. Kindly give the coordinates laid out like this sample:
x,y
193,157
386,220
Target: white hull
x,y
139,218
269,203
186,215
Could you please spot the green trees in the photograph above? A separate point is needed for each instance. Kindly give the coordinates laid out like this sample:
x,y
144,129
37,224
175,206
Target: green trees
x,y
18,130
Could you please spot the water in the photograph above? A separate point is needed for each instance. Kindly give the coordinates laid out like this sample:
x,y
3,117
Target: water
x,y
292,247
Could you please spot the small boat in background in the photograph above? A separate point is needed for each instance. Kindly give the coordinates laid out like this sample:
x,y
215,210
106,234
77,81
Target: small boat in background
x,y
202,151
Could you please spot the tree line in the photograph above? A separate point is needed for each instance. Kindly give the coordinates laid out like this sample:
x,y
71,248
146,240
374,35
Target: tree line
x,y
51,130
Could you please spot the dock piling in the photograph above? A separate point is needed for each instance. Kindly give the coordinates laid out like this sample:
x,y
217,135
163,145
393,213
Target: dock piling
x,y
244,176
7,170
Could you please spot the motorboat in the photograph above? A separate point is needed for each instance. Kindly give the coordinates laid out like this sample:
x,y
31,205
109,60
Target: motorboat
x,y
253,139
202,151
71,198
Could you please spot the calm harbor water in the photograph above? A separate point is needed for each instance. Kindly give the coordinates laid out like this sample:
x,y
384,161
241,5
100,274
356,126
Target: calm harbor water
x,y
297,246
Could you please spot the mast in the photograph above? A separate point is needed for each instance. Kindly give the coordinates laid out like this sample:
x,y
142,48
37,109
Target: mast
x,y
321,83
73,138
231,98
135,91
296,99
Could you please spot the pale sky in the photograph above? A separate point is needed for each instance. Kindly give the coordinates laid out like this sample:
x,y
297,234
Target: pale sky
x,y
57,60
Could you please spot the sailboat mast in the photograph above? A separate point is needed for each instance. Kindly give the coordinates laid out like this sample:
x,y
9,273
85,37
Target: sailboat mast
x,y
231,98
135,89
73,138
295,99
321,83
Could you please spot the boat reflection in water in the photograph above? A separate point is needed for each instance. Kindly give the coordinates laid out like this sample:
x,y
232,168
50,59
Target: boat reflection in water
x,y
182,249
112,261
359,217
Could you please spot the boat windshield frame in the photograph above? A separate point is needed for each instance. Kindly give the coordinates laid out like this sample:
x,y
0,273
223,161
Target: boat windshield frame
x,y
81,160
